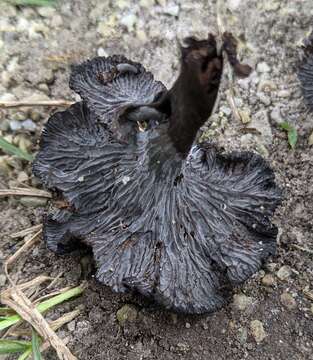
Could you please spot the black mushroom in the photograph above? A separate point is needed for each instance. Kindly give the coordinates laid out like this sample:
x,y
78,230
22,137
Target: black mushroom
x,y
305,71
176,221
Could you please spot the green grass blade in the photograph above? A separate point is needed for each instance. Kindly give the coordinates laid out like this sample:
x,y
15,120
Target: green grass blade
x,y
25,354
13,346
32,2
44,306
291,133
36,346
11,149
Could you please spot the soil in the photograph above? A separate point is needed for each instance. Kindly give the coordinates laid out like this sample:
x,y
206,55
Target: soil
x,y
37,47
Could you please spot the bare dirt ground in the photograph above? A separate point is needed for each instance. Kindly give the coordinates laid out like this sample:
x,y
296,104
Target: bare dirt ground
x,y
271,315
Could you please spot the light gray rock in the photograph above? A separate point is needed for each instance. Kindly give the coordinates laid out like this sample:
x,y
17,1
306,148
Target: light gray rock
x,y
241,302
261,123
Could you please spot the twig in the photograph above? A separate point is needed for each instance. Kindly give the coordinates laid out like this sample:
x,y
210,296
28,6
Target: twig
x,y
302,248
28,244
25,192
25,232
14,104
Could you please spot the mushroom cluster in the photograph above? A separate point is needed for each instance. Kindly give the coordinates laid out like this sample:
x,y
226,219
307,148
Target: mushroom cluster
x,y
174,220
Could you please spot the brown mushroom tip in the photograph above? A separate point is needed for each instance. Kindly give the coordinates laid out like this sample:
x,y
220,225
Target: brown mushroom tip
x,y
242,70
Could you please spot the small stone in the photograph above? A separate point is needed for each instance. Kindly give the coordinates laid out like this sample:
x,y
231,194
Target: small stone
x,y
4,125
242,335
271,267
33,201
146,3
56,21
46,11
171,9
241,302
4,167
288,301
182,347
35,115
188,326
24,144
264,98
284,272
276,115
233,4
268,280
22,177
29,125
312,309
262,67
284,93
71,325
129,21
15,125
127,313
226,110
101,52
174,318
257,331
3,279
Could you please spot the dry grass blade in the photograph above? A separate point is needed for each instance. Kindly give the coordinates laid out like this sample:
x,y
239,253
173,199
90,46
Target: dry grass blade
x,y
302,248
25,192
28,244
14,104
22,305
230,95
25,232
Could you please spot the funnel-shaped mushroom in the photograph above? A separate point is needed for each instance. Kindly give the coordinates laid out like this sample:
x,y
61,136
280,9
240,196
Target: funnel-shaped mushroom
x,y
173,220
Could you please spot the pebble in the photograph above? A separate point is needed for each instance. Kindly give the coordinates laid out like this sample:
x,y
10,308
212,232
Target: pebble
x,y
276,116
288,301
71,325
241,302
264,98
268,280
172,10
267,86
312,309
4,167
24,144
22,177
262,67
257,331
242,335
3,279
284,272
284,93
46,11
129,21
147,3
188,326
56,21
245,115
29,125
33,201
101,52
4,125
127,313
233,4
15,125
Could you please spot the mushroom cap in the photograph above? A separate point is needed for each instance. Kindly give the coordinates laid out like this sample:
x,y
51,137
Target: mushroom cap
x,y
305,71
179,230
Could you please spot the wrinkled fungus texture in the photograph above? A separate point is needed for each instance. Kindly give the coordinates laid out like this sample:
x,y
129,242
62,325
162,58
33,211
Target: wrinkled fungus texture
x,y
305,71
176,221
